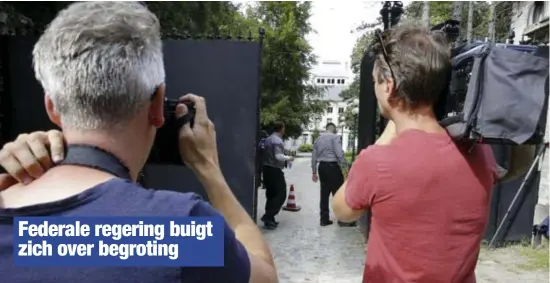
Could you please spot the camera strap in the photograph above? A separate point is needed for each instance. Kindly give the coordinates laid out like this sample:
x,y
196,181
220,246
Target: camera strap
x,y
96,158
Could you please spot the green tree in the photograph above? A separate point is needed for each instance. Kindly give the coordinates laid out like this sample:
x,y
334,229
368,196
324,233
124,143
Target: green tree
x,y
287,57
351,94
441,11
287,60
314,135
179,19
359,50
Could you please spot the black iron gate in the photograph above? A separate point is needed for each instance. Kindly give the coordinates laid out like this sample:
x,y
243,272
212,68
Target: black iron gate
x,y
225,71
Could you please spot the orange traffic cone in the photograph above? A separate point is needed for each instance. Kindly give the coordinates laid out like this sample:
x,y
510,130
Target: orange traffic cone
x,y
291,201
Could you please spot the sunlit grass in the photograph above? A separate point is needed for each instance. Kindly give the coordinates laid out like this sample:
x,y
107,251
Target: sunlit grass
x,y
531,259
536,259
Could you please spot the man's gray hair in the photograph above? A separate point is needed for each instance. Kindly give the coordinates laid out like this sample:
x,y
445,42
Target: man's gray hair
x,y
100,62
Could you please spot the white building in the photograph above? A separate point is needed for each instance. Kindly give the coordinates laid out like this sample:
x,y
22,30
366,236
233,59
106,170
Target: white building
x,y
530,23
335,77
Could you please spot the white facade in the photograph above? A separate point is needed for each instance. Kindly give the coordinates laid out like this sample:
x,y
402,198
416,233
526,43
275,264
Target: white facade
x,y
335,76
530,22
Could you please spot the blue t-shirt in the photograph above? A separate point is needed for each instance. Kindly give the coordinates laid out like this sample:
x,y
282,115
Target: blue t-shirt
x,y
119,197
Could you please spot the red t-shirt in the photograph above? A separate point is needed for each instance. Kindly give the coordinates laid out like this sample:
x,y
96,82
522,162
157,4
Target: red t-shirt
x,y
429,200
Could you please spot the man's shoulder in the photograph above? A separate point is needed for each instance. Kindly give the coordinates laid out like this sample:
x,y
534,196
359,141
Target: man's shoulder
x,y
132,199
333,136
275,139
328,136
370,155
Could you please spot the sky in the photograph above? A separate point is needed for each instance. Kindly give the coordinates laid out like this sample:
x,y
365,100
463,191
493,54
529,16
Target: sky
x,y
334,22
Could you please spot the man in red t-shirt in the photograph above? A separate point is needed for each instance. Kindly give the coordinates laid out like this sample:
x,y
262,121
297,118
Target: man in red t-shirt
x,y
429,196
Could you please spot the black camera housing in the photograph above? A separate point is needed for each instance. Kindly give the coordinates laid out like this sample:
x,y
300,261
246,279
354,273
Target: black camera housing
x,y
166,149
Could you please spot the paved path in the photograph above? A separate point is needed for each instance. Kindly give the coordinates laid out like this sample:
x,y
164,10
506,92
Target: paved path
x,y
306,252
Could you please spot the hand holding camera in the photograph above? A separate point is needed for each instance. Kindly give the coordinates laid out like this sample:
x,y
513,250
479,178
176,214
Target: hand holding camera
x,y
197,138
196,142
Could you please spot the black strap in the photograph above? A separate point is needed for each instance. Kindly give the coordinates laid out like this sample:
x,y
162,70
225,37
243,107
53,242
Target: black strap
x,y
96,158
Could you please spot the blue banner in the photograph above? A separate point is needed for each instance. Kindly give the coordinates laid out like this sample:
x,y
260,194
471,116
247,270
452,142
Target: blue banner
x,y
118,241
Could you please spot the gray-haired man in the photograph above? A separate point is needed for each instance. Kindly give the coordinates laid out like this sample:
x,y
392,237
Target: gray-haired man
x,y
328,154
102,69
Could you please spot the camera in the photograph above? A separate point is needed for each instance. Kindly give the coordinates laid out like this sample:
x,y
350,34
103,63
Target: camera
x,y
497,93
165,148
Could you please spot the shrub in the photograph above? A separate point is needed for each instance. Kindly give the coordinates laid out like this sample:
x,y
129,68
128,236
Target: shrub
x,y
306,147
290,152
349,155
314,135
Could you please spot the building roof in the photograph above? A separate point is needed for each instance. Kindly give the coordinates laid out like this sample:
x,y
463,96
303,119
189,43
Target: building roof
x,y
334,69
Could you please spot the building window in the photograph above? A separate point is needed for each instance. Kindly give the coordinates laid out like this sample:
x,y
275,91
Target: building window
x,y
304,138
318,81
339,81
329,120
341,110
343,81
332,81
329,110
538,12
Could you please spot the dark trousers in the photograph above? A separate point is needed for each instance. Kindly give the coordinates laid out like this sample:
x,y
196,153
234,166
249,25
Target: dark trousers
x,y
275,191
330,175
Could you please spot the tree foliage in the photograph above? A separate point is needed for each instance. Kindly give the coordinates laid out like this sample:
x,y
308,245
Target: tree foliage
x,y
286,63
287,56
351,94
179,19
443,10
439,12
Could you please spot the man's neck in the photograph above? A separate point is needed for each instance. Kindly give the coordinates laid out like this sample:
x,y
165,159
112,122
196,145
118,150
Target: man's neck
x,y
128,149
422,119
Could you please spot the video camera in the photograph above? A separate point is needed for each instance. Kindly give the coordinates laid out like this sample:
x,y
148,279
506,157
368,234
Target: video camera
x,y
498,93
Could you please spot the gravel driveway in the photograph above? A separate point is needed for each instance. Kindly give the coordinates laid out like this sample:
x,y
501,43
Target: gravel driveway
x,y
305,252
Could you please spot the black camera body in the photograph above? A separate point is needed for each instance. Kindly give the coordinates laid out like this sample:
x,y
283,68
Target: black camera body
x,y
166,148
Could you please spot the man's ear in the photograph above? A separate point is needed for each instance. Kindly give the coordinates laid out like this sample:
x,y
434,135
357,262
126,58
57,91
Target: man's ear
x,y
391,92
156,109
50,109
